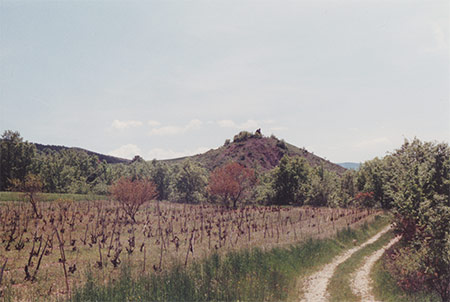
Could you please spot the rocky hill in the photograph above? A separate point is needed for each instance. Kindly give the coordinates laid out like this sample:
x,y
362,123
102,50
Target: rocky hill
x,y
258,152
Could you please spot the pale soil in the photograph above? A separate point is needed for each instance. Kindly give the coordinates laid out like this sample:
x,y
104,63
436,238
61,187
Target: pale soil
x,y
361,280
315,285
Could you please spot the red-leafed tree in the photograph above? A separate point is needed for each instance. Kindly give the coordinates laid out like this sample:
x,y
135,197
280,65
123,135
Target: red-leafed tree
x,y
231,182
132,194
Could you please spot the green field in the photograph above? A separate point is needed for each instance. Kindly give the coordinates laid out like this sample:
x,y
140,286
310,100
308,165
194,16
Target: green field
x,y
18,196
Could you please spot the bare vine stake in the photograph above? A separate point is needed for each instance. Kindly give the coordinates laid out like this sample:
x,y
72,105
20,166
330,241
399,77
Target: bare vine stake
x,y
190,249
220,233
209,235
143,269
100,262
278,234
161,252
271,227
332,220
85,234
318,227
40,259
113,232
63,261
201,226
293,227
3,269
161,238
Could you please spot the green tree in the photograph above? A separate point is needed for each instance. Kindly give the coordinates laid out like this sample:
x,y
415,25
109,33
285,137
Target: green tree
x,y
420,190
373,177
161,177
323,188
16,158
190,182
70,171
347,188
290,183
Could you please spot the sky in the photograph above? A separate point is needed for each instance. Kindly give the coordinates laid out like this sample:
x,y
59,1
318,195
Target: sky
x,y
347,80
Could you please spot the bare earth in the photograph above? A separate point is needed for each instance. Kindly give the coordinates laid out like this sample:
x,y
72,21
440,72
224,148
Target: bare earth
x,y
361,280
316,284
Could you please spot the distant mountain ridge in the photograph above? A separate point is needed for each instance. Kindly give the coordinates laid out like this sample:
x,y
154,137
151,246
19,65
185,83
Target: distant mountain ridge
x,y
350,165
102,157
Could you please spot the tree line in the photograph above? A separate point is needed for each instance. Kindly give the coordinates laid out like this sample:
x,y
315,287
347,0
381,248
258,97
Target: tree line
x,y
293,182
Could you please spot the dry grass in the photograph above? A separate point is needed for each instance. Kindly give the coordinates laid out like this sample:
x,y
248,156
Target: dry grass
x,y
97,236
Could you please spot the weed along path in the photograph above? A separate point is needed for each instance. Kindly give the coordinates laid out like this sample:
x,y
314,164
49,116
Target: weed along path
x,y
361,280
316,284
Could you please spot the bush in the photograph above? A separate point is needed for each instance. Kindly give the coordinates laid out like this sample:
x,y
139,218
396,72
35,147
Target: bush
x,y
132,194
282,144
405,265
231,182
242,136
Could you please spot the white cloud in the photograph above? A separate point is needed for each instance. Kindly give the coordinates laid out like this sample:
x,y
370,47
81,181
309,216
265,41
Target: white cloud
x,y
194,124
227,124
372,142
269,122
121,125
159,153
250,125
167,130
126,151
174,130
440,38
280,128
153,123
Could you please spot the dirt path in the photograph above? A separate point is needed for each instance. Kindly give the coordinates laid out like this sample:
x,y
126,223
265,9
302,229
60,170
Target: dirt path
x,y
361,280
316,284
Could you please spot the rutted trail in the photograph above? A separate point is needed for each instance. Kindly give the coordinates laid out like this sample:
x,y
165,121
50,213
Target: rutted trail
x,y
361,280
316,284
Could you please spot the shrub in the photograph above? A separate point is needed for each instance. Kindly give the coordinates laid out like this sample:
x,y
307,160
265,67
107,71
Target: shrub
x,y
282,144
231,182
132,194
242,136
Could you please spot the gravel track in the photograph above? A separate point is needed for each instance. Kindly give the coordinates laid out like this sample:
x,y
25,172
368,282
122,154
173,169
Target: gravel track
x,y
316,284
360,283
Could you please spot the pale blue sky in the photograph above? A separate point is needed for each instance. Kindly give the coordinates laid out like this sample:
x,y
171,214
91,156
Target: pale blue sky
x,y
348,80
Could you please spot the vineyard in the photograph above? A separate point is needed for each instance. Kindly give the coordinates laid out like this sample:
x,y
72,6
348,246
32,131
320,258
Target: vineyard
x,y
52,255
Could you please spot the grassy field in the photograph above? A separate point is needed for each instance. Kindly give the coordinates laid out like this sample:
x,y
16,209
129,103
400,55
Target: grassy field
x,y
49,257
17,196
